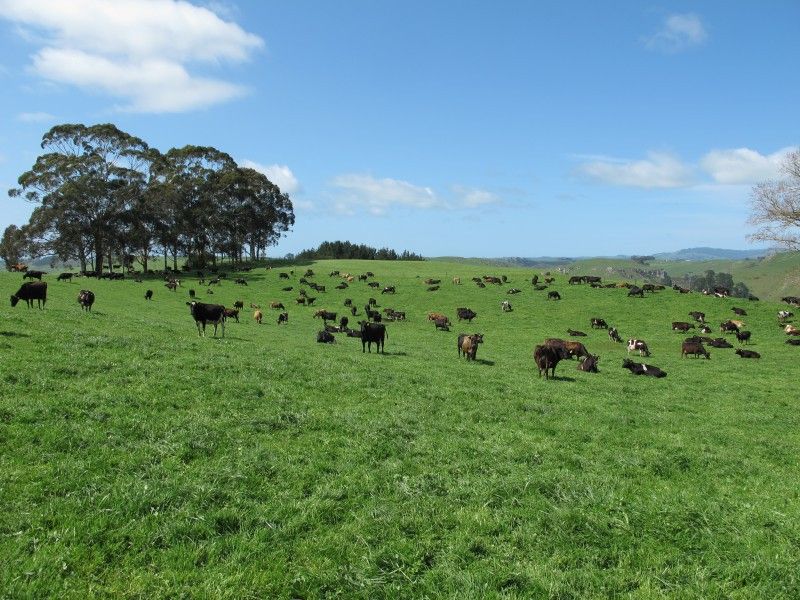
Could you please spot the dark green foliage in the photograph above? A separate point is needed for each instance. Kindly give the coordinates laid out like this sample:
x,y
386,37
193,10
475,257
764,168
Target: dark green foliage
x,y
13,245
348,250
141,461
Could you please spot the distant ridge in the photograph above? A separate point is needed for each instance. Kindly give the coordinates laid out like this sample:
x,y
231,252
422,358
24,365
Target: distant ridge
x,y
703,253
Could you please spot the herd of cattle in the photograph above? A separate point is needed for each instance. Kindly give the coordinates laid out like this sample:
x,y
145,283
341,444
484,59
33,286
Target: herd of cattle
x,y
546,355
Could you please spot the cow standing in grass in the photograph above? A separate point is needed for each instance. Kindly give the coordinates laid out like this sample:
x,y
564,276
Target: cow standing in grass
x,y
207,313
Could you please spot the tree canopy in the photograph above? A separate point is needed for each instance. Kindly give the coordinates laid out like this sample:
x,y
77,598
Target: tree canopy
x,y
327,250
102,193
776,206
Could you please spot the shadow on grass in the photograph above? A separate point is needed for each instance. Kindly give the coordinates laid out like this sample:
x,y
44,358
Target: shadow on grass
x,y
488,363
13,334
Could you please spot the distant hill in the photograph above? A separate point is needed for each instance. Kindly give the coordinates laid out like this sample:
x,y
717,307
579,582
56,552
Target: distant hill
x,y
713,254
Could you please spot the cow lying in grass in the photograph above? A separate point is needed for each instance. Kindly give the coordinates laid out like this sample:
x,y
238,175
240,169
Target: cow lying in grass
x,y
642,369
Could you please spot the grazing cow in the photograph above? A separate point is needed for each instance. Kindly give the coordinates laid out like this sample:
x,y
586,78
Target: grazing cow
x,y
34,275
547,358
362,277
325,315
573,348
575,279
698,316
642,369
389,289
513,291
148,295
277,306
575,333
681,326
598,323
374,284
613,334
553,296
301,300
239,304
343,323
207,313
794,342
534,280
743,337
283,318
456,280
283,276
215,281
549,280
506,306
258,316
65,277
348,302
695,348
465,314
86,299
747,353
592,279
192,294
649,287
468,345
640,346
783,315
353,311
232,313
398,315
342,286
480,284
373,332
739,311
720,343
636,291
372,302
240,281
589,364
325,337
680,289
705,329
171,285
432,316
730,326
443,324
30,291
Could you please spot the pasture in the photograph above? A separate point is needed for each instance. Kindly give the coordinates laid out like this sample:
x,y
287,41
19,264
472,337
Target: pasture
x,y
140,460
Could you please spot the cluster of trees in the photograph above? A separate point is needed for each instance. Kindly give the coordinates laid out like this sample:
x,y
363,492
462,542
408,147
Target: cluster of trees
x,y
642,260
103,194
709,280
356,251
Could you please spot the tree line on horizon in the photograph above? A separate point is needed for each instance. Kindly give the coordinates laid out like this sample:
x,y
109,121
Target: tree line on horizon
x,y
348,250
104,195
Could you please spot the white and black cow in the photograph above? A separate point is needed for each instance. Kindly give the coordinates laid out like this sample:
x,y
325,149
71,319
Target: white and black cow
x,y
638,345
207,313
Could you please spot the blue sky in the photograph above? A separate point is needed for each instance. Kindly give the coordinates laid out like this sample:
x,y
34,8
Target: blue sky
x,y
447,128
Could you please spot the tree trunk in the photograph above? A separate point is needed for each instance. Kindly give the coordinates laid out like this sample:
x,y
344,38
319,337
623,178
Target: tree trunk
x,y
98,255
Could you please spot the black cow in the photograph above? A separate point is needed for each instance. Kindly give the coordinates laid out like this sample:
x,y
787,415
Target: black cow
x,y
30,291
466,314
636,291
743,336
642,369
207,313
547,358
241,281
348,302
575,333
681,326
86,299
148,295
325,315
64,277
794,342
283,318
747,353
720,343
598,323
389,289
575,279
343,323
325,337
373,332
589,364
698,316
739,311
553,296
34,275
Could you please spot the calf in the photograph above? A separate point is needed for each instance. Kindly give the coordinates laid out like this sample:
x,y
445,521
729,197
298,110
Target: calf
x,y
442,324
547,358
783,315
640,346
739,311
207,313
794,342
456,280
705,329
589,364
743,337
553,296
695,348
277,306
642,369
325,337
86,299
30,291
325,315
747,353
373,332
433,288
575,333
148,295
506,306
283,318
468,345
239,304
232,313
681,326
598,323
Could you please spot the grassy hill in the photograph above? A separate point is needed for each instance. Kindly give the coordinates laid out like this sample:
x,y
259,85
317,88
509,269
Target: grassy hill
x,y
140,460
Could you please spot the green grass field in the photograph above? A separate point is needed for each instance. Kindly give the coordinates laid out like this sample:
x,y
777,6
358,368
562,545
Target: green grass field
x,y
140,460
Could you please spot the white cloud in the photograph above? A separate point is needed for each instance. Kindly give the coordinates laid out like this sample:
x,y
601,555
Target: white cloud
x,y
658,170
135,50
280,175
742,165
473,198
679,32
377,196
35,117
